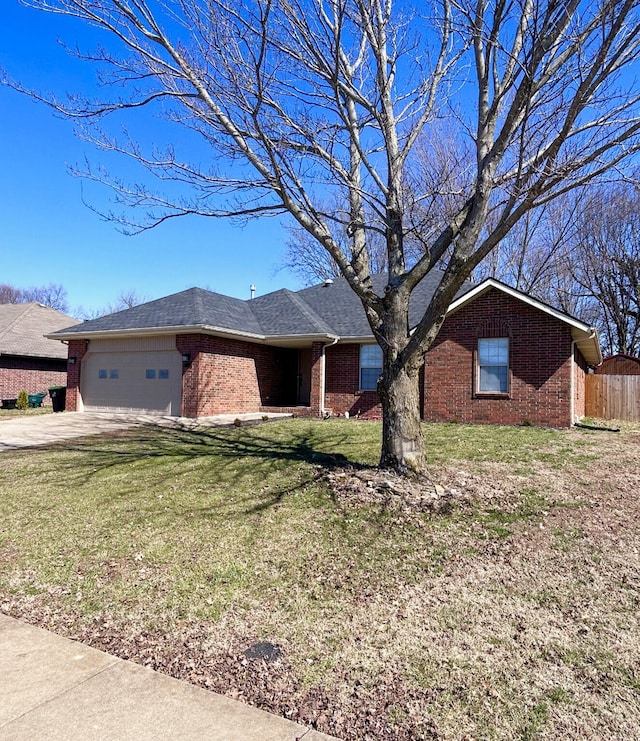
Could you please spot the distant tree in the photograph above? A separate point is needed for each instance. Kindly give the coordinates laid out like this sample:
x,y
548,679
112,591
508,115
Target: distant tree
x,y
605,263
301,104
9,294
52,295
125,300
581,253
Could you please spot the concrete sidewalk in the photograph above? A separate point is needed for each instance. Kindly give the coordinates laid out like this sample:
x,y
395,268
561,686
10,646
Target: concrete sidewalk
x,y
53,688
43,429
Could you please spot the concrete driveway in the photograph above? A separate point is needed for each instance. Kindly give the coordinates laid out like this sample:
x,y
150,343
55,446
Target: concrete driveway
x,y
33,430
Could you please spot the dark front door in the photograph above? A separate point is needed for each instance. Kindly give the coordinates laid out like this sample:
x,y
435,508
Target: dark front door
x,y
304,377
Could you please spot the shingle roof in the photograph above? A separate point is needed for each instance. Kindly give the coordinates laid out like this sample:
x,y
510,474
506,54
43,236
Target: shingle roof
x,y
194,307
341,309
286,313
22,330
324,310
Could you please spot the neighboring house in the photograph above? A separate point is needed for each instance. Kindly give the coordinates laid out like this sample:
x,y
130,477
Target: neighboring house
x,y
619,365
28,360
501,356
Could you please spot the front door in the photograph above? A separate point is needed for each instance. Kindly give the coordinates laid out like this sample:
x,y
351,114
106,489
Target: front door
x,y
304,377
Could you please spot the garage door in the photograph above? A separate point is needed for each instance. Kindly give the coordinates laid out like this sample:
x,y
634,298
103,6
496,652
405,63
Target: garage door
x,y
132,380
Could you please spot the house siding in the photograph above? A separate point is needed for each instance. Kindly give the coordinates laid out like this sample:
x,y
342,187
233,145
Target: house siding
x,y
77,350
18,373
342,393
540,364
228,376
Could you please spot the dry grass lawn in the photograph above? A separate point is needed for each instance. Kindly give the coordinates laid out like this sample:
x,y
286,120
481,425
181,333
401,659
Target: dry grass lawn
x,y
502,604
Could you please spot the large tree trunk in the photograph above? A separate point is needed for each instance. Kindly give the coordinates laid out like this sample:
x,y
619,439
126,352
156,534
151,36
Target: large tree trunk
x,y
402,440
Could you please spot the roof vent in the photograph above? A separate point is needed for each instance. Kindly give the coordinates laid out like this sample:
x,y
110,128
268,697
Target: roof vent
x,y
328,282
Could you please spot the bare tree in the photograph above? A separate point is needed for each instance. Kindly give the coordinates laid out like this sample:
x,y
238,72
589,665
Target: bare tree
x,y
10,294
301,103
606,264
581,253
125,300
535,257
52,295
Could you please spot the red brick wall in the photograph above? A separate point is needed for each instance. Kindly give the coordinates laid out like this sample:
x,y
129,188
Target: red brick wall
x,y
18,373
540,365
316,377
342,393
228,376
77,350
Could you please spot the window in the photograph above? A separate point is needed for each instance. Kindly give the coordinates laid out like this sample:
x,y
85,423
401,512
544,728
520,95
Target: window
x,y
493,366
370,366
114,373
102,373
150,373
163,373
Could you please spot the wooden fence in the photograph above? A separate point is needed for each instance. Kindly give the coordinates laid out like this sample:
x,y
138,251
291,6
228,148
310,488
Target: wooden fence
x,y
613,397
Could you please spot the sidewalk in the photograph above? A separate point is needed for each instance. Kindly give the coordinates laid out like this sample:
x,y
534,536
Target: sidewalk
x,y
54,688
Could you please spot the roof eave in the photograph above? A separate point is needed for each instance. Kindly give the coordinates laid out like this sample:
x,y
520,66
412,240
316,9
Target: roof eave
x,y
492,283
293,340
588,344
142,331
195,328
39,356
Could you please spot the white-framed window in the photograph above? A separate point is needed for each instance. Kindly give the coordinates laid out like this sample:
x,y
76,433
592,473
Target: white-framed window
x,y
493,365
370,366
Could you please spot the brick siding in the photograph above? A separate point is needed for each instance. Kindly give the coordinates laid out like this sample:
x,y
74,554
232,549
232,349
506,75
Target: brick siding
x,y
342,392
228,376
77,350
540,366
18,373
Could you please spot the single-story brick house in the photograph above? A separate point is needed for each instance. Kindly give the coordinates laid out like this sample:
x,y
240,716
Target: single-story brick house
x,y
501,356
28,360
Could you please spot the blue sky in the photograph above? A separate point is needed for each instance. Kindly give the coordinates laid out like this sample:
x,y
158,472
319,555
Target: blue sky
x,y
47,233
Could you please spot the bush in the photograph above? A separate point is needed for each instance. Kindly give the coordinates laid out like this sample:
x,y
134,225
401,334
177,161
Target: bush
x,y
23,400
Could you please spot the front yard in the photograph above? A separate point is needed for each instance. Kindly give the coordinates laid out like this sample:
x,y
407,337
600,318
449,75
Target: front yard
x,y
501,604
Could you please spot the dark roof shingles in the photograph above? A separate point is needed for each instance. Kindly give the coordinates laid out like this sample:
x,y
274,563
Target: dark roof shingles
x,y
329,309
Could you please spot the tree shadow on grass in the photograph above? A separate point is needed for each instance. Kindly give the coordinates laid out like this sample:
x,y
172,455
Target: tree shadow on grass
x,y
219,458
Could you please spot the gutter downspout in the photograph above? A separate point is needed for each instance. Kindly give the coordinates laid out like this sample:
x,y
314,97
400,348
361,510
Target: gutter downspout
x,y
323,374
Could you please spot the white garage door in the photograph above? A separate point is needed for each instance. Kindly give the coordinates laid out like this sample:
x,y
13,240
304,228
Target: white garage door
x,y
131,380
